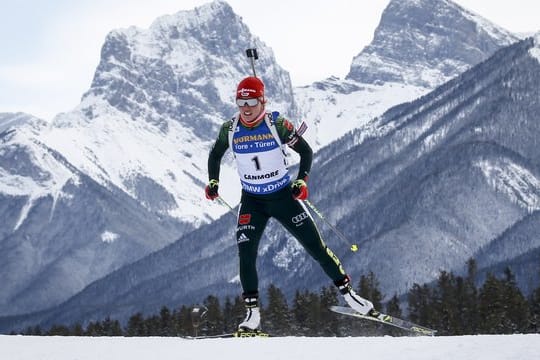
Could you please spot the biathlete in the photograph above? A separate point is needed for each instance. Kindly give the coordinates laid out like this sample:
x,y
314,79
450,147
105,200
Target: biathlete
x,y
256,138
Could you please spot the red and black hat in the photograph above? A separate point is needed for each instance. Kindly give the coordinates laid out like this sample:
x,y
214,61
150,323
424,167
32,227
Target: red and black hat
x,y
250,87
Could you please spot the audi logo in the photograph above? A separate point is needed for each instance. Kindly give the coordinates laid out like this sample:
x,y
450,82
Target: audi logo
x,y
299,218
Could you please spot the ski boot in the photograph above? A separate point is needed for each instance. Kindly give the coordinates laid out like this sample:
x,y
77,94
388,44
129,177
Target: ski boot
x,y
356,302
252,322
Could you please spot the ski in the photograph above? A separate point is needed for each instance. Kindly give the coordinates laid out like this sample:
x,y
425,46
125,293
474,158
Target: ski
x,y
236,334
247,334
386,319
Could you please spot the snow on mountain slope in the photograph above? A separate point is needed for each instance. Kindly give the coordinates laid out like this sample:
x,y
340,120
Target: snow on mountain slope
x,y
417,46
516,182
27,169
156,103
426,43
60,230
333,107
535,51
135,156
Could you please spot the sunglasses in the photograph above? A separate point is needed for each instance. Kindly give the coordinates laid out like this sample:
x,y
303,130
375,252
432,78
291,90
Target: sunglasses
x,y
247,102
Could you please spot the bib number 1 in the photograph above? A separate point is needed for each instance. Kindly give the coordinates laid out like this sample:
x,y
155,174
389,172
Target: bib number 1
x,y
257,163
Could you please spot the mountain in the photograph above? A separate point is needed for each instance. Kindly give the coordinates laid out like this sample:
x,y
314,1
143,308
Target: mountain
x,y
438,179
417,46
122,174
158,97
426,43
422,188
517,248
62,230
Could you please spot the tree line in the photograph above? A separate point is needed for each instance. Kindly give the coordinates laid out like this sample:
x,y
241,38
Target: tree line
x,y
453,305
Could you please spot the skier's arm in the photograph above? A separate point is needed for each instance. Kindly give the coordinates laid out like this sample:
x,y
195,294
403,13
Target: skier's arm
x,y
217,151
296,142
306,156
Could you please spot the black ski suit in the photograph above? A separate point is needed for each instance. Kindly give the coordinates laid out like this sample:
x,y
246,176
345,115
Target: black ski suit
x,y
257,208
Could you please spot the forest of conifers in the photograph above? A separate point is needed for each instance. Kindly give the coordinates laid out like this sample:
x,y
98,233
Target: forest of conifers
x,y
453,305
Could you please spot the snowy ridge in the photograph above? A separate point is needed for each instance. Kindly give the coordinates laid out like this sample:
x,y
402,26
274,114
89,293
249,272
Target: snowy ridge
x,y
114,148
417,46
333,107
535,51
426,43
484,25
42,175
516,182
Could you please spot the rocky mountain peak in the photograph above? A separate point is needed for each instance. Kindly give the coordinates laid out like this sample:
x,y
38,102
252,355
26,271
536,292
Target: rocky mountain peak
x,y
425,43
186,63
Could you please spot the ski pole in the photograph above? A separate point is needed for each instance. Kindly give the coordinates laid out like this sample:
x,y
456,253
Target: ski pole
x,y
226,204
354,247
252,55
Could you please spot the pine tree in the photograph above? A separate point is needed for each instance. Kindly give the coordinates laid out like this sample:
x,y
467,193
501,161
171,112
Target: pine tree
x,y
468,298
214,324
517,309
183,323
58,330
176,323
36,331
152,325
276,317
94,329
166,326
368,288
420,305
534,306
445,304
491,306
135,326
300,313
503,307
110,327
77,330
393,308
329,319
229,321
313,323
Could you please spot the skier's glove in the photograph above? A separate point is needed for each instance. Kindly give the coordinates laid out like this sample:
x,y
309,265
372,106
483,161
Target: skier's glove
x,y
300,189
211,189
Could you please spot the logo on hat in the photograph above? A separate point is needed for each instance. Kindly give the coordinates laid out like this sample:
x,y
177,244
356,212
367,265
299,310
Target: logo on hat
x,y
243,92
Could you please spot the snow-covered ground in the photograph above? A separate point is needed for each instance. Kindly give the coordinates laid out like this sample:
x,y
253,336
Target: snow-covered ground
x,y
484,347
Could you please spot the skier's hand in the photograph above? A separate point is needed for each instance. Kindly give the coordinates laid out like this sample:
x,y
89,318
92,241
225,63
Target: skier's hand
x,y
211,190
300,189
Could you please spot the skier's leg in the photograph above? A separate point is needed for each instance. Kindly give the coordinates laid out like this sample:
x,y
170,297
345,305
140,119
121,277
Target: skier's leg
x,y
297,219
250,226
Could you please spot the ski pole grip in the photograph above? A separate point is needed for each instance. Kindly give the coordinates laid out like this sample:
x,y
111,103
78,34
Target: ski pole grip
x,y
252,55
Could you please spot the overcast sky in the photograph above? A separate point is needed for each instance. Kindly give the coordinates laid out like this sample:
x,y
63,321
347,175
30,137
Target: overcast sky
x,y
49,49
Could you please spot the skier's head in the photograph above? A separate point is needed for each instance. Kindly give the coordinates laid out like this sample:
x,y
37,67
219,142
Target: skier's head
x,y
250,100
250,88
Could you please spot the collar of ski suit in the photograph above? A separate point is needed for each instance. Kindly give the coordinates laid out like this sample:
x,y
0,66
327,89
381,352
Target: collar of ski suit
x,y
255,122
